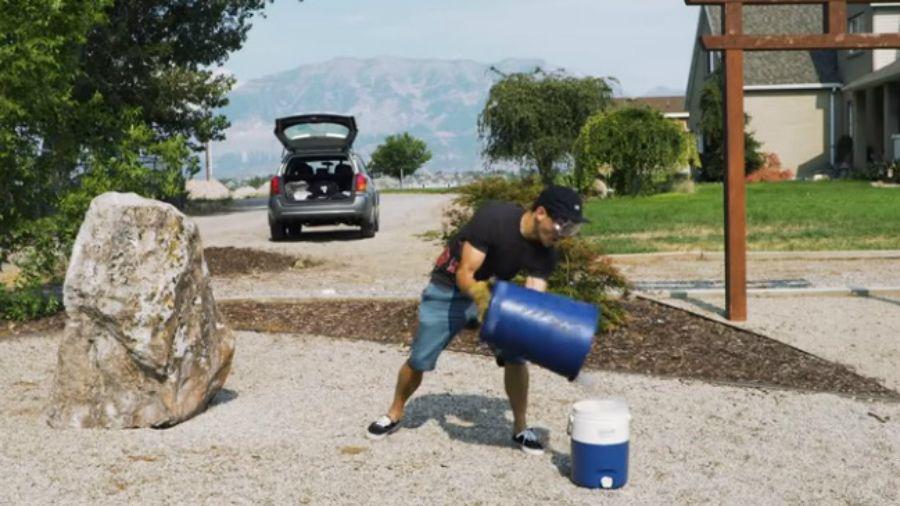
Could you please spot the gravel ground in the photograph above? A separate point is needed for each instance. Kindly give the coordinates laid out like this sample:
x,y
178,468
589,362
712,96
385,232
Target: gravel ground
x,y
817,269
289,430
860,332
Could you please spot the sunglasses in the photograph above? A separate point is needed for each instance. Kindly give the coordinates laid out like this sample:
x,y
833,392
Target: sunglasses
x,y
566,228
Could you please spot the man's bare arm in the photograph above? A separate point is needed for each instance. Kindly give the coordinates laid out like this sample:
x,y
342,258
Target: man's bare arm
x,y
471,260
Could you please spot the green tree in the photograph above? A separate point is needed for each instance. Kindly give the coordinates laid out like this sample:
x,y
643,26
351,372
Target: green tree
x,y
104,95
255,181
39,62
639,147
155,56
400,156
534,119
712,126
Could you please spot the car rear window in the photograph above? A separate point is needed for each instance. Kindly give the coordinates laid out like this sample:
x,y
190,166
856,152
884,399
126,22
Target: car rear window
x,y
309,130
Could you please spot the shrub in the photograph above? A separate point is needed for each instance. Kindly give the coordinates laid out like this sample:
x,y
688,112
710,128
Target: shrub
x,y
844,150
30,303
473,196
877,171
582,271
771,171
642,147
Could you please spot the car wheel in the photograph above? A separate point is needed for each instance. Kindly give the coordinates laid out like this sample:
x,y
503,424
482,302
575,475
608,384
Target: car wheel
x,y
277,231
368,230
369,227
377,222
294,230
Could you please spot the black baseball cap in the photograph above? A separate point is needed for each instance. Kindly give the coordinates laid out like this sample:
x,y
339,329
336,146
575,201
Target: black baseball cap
x,y
561,203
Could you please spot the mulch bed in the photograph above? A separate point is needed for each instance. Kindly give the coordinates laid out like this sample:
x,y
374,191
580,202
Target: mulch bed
x,y
230,261
659,340
55,323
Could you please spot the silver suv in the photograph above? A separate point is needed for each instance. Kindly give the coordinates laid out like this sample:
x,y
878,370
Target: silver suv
x,y
321,180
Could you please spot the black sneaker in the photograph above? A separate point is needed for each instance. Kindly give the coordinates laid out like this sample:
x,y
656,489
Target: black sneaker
x,y
529,442
381,428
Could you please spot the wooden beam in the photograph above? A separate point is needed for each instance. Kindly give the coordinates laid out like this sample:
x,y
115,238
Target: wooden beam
x,y
779,2
734,20
802,42
836,18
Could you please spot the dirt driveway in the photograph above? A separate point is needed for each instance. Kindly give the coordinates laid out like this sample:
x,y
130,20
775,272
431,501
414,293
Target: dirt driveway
x,y
395,263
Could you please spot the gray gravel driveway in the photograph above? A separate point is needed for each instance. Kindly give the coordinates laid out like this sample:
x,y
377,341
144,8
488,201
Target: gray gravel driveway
x,y
289,430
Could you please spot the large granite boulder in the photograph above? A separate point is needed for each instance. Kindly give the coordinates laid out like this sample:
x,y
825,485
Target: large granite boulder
x,y
144,345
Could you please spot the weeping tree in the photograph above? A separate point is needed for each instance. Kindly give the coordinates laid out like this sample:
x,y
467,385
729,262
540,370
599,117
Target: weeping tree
x,y
534,119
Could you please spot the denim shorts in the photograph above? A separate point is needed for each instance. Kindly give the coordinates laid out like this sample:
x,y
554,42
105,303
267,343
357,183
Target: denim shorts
x,y
443,312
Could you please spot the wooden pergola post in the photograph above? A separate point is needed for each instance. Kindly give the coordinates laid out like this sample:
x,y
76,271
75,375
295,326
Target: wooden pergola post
x,y
734,42
735,192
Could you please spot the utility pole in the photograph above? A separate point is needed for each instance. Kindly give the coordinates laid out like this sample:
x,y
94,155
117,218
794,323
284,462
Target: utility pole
x,y
209,167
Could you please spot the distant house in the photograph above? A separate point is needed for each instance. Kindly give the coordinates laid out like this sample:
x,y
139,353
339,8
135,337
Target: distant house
x,y
670,107
802,102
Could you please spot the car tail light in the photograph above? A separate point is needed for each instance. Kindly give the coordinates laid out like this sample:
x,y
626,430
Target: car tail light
x,y
361,183
275,186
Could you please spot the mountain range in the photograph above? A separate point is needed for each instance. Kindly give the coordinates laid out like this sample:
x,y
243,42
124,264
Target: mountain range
x,y
437,101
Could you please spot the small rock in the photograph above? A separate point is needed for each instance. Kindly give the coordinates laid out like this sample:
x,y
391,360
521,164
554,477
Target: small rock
x,y
353,450
245,192
207,190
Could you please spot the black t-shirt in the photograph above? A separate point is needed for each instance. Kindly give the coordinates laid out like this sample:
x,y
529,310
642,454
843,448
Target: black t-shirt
x,y
495,231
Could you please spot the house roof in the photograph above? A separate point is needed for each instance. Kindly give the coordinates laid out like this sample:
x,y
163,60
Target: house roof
x,y
665,105
783,67
877,78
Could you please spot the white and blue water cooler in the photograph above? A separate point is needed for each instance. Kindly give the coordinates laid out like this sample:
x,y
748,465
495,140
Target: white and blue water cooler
x,y
599,431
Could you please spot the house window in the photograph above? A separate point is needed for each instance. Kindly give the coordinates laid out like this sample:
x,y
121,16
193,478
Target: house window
x,y
856,24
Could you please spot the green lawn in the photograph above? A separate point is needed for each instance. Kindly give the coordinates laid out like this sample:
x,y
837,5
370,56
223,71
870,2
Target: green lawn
x,y
419,190
837,215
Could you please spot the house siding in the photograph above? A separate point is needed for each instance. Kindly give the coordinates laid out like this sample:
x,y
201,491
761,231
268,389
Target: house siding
x,y
795,126
885,21
855,64
698,73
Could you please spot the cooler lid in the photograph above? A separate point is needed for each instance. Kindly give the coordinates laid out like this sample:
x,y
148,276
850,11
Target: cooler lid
x,y
606,409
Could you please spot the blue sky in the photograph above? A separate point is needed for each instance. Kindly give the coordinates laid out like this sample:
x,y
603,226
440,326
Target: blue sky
x,y
643,43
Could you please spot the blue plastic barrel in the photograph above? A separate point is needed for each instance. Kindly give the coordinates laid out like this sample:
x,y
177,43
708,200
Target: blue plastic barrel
x,y
547,329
